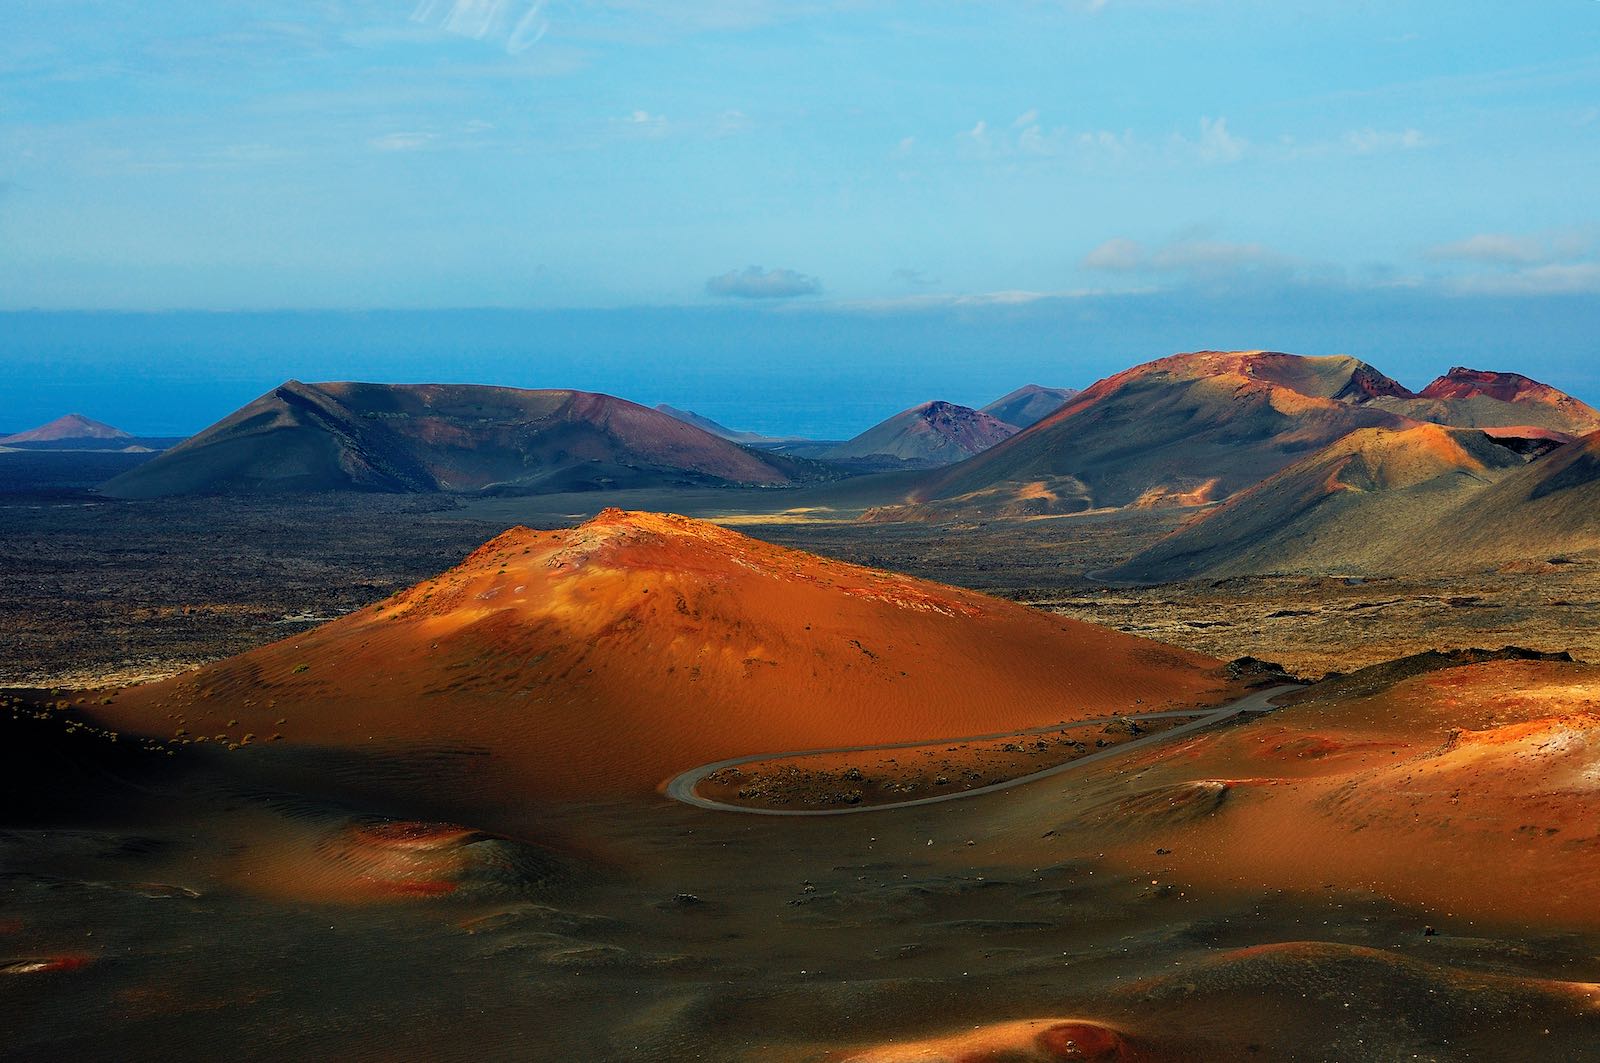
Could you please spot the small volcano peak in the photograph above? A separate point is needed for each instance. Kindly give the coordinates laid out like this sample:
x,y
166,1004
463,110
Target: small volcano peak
x,y
1462,382
72,426
614,517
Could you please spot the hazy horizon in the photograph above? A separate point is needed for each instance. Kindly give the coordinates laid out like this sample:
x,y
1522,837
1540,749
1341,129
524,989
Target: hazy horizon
x,y
813,371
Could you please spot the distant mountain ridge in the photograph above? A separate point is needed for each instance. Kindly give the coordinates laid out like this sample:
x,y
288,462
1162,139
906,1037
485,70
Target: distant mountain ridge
x,y
1424,499
1200,427
75,432
930,433
1340,509
706,424
72,426
1028,405
447,438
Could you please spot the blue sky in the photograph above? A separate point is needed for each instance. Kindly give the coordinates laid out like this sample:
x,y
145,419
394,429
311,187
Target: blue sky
x,y
848,159
400,153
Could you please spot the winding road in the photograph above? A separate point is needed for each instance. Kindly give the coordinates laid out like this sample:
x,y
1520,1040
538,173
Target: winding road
x,y
682,786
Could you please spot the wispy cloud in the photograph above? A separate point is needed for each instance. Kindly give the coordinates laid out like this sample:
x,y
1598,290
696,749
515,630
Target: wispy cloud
x,y
1215,142
1516,250
1027,136
754,282
1548,263
732,122
402,141
1565,278
1368,141
642,123
1211,142
967,300
516,25
1195,258
1117,255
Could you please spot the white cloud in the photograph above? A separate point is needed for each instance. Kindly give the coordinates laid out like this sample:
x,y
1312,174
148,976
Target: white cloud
x,y
1550,263
516,25
1199,259
1491,247
641,123
950,300
1198,256
1117,255
754,282
1565,278
1217,144
1508,249
402,141
1368,141
1213,143
730,123
1028,137
1106,143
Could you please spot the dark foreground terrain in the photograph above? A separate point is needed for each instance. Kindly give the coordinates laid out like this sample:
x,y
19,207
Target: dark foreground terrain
x,y
1316,884
194,903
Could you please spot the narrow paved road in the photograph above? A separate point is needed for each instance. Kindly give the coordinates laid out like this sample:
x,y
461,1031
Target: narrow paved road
x,y
682,787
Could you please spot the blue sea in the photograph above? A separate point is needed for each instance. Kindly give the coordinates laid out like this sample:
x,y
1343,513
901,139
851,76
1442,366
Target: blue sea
x,y
807,370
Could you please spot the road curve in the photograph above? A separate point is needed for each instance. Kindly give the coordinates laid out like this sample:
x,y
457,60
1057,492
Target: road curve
x,y
682,786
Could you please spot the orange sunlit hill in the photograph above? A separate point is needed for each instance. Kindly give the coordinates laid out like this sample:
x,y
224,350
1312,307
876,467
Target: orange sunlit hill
x,y
603,659
1382,780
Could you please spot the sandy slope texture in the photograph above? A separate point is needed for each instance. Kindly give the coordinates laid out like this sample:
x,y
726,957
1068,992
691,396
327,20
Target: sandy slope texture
x,y
1196,428
1468,789
603,659
1345,508
1202,425
1029,404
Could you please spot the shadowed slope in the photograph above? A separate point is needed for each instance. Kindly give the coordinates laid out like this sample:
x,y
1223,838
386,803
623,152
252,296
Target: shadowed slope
x,y
1344,507
603,659
706,424
1197,428
1029,404
934,433
1550,507
1199,425
444,437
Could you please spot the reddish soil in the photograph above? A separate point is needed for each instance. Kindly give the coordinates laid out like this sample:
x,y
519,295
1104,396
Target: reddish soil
x,y
607,658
